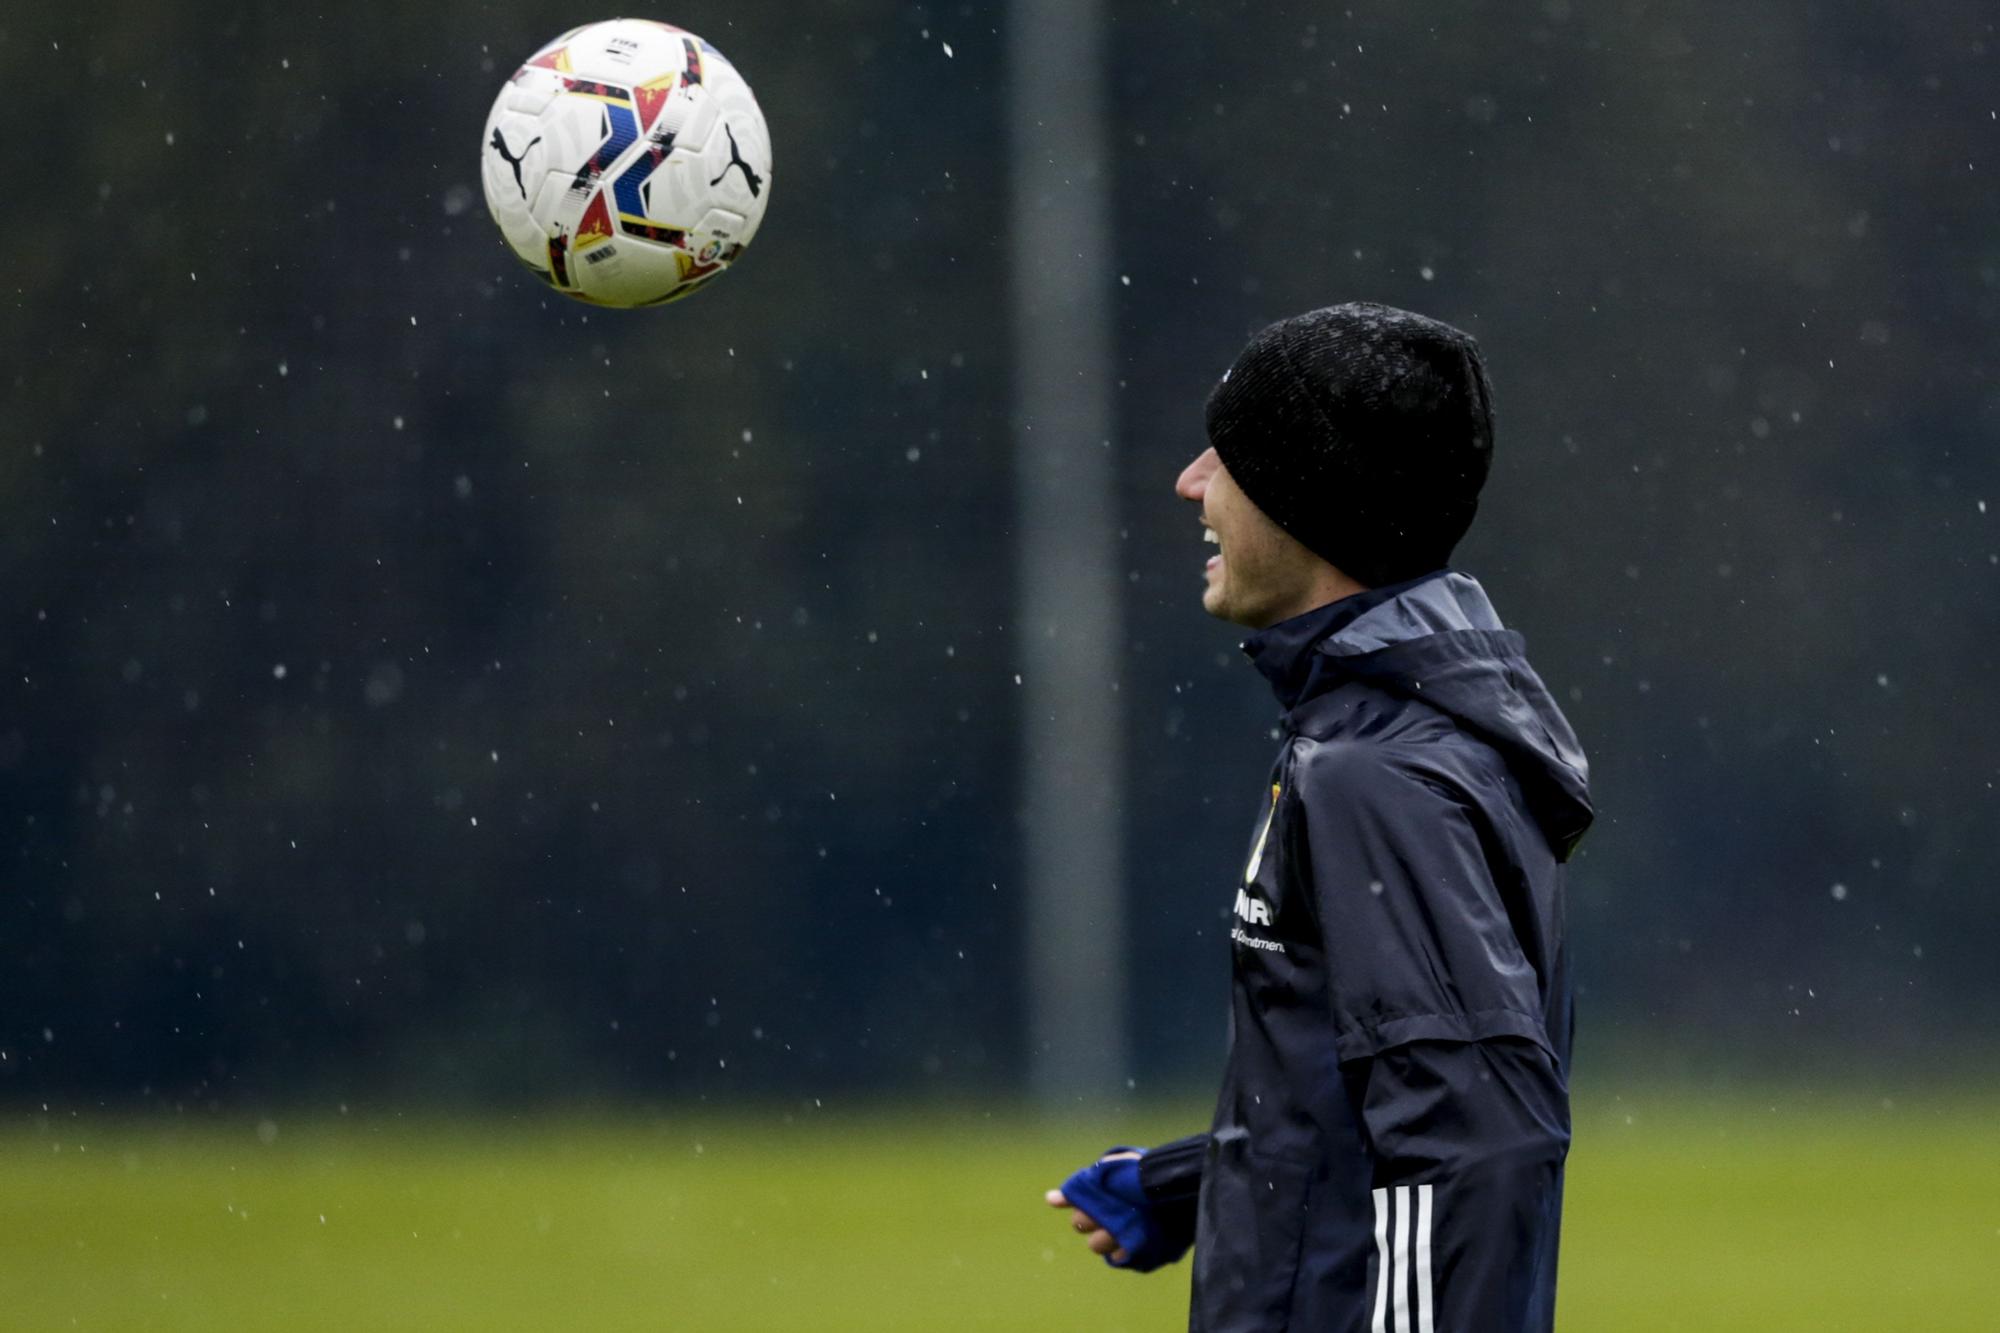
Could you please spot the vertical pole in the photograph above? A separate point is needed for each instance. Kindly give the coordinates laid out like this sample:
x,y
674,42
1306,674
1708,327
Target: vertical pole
x,y
1066,564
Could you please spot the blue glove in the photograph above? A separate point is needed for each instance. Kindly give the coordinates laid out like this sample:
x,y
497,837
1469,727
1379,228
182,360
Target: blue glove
x,y
1111,1194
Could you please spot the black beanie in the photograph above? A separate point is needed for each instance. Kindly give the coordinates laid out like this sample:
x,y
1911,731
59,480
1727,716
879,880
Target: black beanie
x,y
1363,431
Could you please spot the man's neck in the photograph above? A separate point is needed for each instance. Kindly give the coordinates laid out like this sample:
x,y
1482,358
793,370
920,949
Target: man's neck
x,y
1327,585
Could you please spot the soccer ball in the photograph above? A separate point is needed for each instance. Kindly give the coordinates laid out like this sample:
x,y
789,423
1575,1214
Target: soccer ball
x,y
627,163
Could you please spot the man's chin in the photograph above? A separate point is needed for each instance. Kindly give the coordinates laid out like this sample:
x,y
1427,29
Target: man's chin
x,y
1217,604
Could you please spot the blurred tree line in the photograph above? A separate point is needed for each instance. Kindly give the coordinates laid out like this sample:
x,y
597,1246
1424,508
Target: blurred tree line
x,y
418,684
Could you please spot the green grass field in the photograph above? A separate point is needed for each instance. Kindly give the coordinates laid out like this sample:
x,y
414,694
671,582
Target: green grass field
x,y
1767,1214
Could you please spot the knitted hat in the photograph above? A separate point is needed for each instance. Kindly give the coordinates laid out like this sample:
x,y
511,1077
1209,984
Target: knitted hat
x,y
1363,431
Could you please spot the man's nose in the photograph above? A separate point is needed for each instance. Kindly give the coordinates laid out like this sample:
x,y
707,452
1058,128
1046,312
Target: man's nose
x,y
1193,483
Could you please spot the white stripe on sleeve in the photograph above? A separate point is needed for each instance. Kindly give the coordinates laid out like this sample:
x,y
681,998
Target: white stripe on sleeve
x,y
1399,1301
1381,1261
1424,1259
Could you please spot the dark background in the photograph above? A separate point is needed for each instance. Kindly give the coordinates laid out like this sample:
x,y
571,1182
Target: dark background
x,y
419,686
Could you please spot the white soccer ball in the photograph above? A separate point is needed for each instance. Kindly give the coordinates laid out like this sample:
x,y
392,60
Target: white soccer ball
x,y
627,163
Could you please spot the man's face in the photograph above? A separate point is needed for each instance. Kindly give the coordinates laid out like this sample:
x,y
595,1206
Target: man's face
x,y
1260,574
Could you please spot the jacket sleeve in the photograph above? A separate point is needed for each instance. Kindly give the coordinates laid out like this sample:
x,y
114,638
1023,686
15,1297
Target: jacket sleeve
x,y
1419,945
1170,1176
1468,1140
1171,1172
1439,1032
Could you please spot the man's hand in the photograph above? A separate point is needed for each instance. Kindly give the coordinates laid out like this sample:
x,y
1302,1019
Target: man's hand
x,y
1099,1240
1136,1207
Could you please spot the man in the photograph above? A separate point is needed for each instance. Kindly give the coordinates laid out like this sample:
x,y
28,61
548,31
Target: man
x,y
1387,1150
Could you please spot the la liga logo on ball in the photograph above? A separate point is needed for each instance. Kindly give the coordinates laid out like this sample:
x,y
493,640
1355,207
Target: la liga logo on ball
x,y
627,163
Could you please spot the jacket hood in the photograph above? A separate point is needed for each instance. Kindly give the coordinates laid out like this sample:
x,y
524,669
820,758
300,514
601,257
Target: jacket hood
x,y
1437,639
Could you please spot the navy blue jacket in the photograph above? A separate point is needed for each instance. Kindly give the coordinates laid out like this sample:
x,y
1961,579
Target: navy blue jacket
x,y
1387,1150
